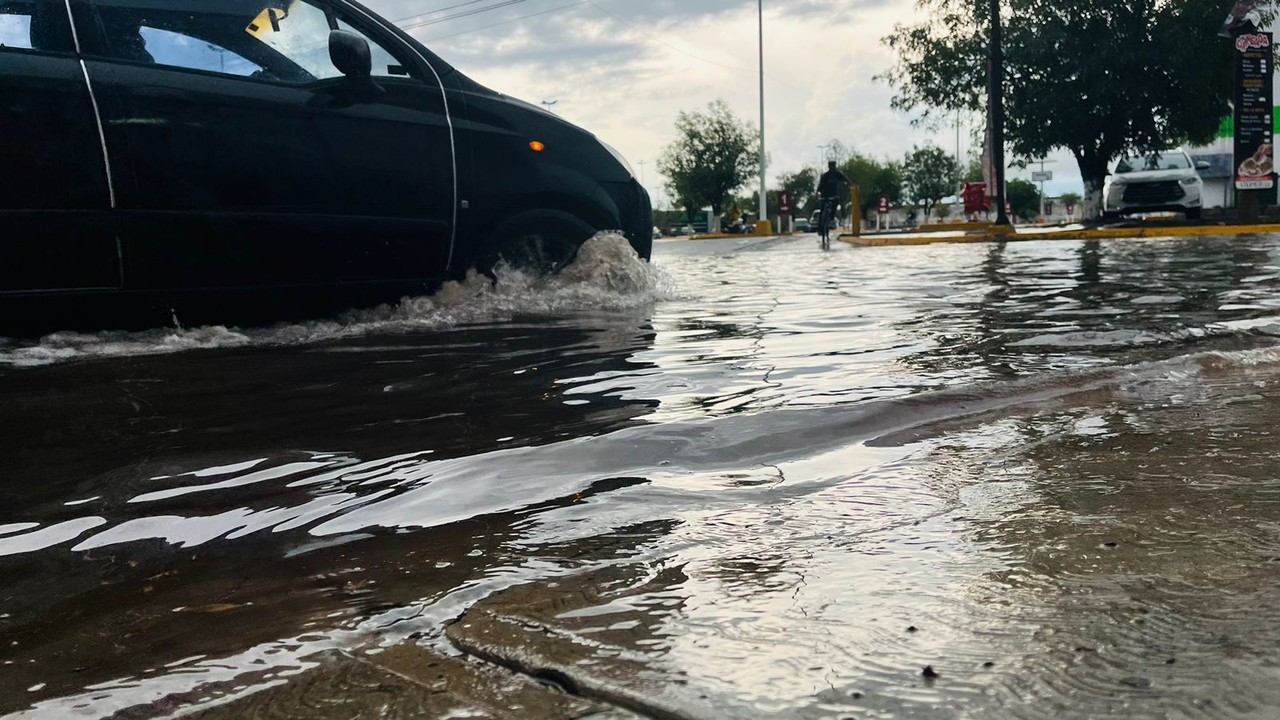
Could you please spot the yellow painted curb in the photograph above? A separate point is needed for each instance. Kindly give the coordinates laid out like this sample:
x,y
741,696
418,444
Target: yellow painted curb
x,y
720,236
1010,235
948,227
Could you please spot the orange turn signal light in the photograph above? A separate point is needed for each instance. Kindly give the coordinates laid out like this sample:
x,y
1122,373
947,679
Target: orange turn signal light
x,y
537,146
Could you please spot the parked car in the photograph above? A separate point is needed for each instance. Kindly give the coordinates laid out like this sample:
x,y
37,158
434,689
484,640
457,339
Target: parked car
x,y
247,161
1156,182
815,221
801,224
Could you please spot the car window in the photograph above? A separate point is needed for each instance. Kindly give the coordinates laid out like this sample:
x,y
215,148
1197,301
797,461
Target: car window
x,y
1162,161
300,32
172,48
39,25
273,40
15,31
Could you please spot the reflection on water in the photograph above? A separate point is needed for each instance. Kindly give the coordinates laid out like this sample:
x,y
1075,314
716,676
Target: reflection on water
x,y
784,487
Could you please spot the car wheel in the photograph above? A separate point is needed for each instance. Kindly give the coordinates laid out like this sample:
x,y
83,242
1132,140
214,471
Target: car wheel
x,y
539,241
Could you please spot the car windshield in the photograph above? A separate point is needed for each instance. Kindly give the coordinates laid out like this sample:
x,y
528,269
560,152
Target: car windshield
x,y
1165,161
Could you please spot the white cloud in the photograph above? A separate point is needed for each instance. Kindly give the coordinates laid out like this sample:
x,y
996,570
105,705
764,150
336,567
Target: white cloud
x,y
623,69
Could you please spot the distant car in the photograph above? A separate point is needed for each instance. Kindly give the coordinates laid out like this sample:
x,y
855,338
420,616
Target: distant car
x,y
802,224
247,161
1157,182
815,222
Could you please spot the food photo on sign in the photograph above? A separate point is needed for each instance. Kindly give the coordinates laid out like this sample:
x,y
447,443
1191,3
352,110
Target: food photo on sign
x,y
1259,164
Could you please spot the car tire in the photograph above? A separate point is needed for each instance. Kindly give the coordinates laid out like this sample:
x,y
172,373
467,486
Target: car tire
x,y
1193,213
541,241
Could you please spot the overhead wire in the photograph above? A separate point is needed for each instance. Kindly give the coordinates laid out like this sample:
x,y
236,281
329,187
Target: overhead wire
x,y
437,10
458,15
507,3
570,6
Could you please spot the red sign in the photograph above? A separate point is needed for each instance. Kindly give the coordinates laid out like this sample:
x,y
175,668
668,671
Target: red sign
x,y
882,205
975,198
784,202
1071,210
1245,43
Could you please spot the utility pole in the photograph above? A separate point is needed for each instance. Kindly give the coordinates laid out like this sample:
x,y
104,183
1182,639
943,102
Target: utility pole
x,y
764,198
1041,177
1042,189
958,160
995,105
641,172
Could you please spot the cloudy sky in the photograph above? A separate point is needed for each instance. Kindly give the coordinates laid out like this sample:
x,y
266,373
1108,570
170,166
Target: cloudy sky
x,y
624,68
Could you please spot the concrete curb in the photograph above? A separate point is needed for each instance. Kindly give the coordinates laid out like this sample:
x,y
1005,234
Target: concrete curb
x,y
991,234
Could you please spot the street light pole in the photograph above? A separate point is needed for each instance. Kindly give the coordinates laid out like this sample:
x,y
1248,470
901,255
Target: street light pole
x,y
764,207
996,108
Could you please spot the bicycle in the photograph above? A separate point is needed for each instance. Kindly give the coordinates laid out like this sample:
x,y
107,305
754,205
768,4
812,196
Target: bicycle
x,y
826,214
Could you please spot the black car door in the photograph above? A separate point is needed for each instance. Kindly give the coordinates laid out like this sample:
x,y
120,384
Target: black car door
x,y
55,196
244,158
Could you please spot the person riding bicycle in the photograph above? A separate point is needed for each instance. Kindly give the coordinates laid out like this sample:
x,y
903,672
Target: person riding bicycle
x,y
829,192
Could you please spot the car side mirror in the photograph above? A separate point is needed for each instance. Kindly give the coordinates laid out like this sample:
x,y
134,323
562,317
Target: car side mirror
x,y
1202,165
350,54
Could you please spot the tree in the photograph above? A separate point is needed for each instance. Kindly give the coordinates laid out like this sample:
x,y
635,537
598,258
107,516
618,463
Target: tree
x,y
874,178
1068,200
1024,197
929,175
712,157
973,170
1096,77
802,185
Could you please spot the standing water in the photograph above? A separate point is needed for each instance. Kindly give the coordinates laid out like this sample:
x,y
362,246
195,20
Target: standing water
x,y
750,480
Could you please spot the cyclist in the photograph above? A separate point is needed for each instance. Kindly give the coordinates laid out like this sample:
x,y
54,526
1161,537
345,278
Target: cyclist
x,y
829,193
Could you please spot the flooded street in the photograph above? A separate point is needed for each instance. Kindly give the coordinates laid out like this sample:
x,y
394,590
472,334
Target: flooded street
x,y
752,480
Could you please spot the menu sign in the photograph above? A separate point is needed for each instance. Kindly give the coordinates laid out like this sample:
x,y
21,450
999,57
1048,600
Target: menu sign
x,y
1253,142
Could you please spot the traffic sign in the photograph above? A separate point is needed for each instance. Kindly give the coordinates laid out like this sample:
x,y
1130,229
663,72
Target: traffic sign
x,y
1042,176
882,205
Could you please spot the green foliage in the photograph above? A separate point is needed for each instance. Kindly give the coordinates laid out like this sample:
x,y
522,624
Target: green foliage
x,y
1069,199
874,178
973,170
713,155
929,174
802,185
1096,77
1024,197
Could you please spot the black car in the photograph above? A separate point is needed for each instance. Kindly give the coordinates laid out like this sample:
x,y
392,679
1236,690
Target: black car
x,y
248,161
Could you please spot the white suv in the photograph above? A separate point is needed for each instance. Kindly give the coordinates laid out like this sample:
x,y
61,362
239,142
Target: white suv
x,y
1158,182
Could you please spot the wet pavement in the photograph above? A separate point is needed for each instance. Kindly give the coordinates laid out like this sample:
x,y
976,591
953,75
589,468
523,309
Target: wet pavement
x,y
1026,481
